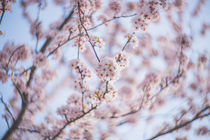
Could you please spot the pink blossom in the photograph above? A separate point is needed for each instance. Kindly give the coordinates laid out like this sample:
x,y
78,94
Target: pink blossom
x,y
98,42
115,7
81,42
148,11
122,59
40,60
3,76
107,69
23,52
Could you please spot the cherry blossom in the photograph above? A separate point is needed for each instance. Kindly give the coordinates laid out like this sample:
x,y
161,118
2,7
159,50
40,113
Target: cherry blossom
x,y
107,69
89,73
40,60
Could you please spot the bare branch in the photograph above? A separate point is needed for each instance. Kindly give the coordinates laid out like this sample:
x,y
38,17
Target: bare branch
x,y
115,17
7,121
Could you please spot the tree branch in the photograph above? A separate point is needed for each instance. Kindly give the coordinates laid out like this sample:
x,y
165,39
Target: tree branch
x,y
17,121
3,10
33,68
71,121
49,39
197,116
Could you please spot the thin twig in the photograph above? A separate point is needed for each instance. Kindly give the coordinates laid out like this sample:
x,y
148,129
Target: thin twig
x,y
80,33
107,89
37,33
129,38
115,17
132,111
7,108
13,54
7,121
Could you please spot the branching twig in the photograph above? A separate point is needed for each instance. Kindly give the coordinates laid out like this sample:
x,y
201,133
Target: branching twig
x,y
197,116
71,121
80,33
7,109
132,111
89,39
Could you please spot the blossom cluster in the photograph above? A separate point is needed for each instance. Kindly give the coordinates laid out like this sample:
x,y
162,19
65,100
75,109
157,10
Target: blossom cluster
x,y
5,5
122,59
115,6
151,82
9,56
98,42
40,60
36,29
82,72
107,69
133,41
81,42
88,6
148,11
73,108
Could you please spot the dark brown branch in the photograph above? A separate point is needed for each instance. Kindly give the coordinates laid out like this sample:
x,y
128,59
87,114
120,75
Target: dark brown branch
x,y
24,95
25,70
17,122
197,116
71,121
49,39
3,10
